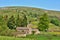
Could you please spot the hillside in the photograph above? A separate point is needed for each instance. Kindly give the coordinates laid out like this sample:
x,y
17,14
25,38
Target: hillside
x,y
31,12
15,16
13,10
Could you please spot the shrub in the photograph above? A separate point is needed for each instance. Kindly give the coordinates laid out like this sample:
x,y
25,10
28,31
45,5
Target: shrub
x,y
7,33
55,21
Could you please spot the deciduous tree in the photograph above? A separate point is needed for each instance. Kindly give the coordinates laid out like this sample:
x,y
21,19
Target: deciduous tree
x,y
11,23
43,22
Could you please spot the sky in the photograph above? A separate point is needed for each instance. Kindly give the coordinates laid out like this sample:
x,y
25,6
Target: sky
x,y
45,4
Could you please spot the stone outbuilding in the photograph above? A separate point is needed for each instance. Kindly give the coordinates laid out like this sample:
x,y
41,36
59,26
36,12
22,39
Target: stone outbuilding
x,y
23,31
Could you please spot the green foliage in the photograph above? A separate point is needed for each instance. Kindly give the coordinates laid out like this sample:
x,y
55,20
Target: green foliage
x,y
2,24
1,20
34,24
24,21
43,22
18,21
7,32
11,23
55,21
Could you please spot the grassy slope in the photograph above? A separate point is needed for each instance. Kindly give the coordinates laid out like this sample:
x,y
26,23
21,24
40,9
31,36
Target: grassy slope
x,y
33,37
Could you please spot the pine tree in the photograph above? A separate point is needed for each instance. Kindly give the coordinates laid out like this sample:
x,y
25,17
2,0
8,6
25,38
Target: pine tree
x,y
11,23
43,22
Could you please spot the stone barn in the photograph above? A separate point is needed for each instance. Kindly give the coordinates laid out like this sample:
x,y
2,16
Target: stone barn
x,y
23,31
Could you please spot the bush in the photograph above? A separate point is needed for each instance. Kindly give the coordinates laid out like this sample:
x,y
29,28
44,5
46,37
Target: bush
x,y
55,21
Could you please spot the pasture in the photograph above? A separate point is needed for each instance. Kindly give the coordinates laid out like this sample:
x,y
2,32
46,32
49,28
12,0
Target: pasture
x,y
32,37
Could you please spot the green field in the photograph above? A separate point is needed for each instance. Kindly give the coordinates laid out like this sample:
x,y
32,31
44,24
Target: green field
x,y
32,37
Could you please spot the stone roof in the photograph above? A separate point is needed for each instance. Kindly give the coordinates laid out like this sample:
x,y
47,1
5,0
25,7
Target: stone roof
x,y
26,28
21,28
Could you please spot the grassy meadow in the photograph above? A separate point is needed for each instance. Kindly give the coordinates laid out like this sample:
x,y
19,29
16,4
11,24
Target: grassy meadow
x,y
32,37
